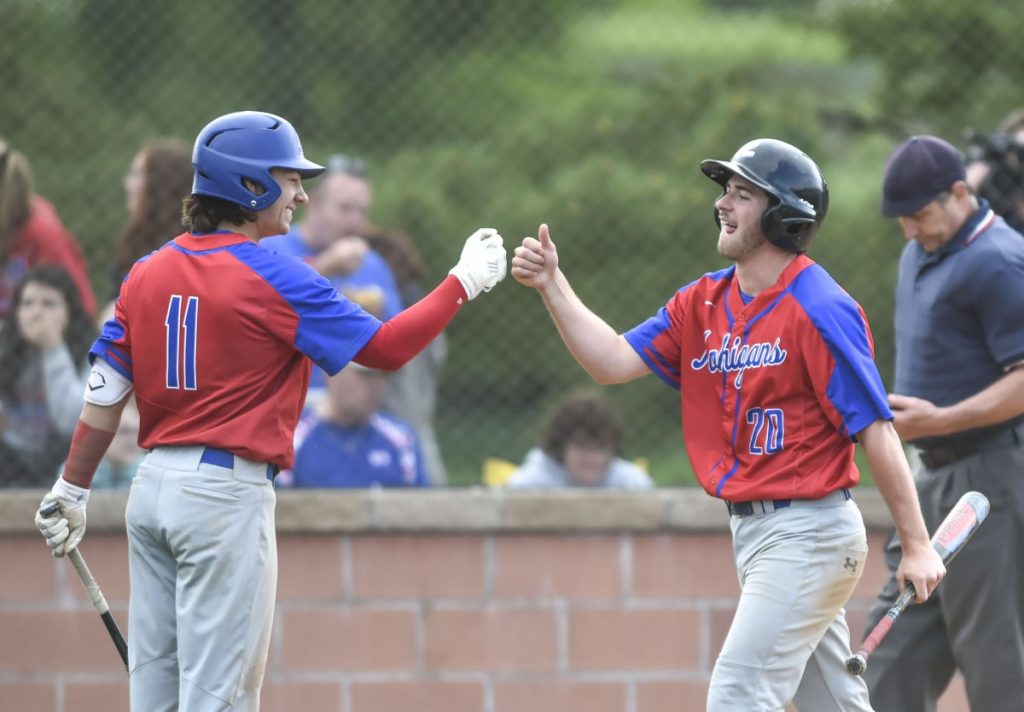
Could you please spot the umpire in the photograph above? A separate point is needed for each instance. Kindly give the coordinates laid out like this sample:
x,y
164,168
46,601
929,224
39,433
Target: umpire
x,y
959,400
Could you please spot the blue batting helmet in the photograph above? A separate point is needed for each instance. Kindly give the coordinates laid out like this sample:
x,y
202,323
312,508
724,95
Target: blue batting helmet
x,y
247,145
793,182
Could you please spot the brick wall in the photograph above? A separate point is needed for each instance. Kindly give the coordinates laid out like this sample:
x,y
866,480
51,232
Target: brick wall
x,y
441,601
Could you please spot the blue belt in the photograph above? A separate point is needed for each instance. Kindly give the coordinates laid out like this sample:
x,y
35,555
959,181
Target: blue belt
x,y
766,506
223,458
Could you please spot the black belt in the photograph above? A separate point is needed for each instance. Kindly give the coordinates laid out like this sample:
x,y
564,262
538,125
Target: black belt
x,y
746,509
950,452
767,506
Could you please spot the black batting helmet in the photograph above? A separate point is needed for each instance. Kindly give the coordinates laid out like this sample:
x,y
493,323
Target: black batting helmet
x,y
793,182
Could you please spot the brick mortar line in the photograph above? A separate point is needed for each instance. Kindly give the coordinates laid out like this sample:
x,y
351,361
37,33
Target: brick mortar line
x,y
348,575
414,605
502,677
490,566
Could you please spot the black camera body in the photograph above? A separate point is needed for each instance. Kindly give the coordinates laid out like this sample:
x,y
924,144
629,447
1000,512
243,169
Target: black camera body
x,y
1003,187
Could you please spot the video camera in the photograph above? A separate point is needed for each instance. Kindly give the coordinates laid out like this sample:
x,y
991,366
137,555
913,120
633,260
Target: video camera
x,y
1003,187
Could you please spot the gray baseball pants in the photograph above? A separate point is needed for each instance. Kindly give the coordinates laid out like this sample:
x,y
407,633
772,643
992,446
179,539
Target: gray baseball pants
x,y
789,640
203,571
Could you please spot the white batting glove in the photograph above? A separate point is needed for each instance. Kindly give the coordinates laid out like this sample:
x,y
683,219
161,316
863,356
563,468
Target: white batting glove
x,y
63,527
483,262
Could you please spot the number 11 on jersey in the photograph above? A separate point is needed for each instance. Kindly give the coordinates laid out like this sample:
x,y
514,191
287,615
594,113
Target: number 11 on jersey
x,y
181,342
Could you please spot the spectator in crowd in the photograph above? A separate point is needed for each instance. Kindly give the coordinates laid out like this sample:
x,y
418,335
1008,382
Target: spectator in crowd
x,y
580,446
332,237
349,442
157,182
995,168
412,393
32,234
959,400
43,370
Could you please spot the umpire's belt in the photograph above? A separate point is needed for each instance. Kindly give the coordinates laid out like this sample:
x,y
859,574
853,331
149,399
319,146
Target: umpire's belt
x,y
223,458
767,506
949,452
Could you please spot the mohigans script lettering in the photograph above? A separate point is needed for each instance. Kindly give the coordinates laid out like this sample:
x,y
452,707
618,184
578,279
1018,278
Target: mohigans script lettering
x,y
734,355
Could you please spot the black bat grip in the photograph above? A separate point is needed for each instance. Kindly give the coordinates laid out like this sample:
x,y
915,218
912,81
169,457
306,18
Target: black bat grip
x,y
115,635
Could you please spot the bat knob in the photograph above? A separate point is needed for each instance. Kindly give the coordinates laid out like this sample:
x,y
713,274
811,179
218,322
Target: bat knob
x,y
856,664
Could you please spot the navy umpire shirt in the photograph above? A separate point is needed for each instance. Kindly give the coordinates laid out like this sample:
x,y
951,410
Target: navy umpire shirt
x,y
960,313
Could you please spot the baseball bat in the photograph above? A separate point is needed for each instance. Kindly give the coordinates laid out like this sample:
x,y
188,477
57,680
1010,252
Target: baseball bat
x,y
958,526
93,589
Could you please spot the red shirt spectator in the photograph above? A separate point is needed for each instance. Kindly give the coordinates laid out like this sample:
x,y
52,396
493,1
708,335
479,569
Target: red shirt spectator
x,y
43,239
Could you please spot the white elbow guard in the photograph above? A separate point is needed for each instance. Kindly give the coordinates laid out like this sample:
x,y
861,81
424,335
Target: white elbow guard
x,y
105,385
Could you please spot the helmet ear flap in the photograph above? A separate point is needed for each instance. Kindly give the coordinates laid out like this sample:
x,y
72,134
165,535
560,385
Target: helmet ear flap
x,y
795,227
790,233
255,186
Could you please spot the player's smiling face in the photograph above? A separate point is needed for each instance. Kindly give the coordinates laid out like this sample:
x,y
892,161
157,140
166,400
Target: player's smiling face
x,y
740,209
277,218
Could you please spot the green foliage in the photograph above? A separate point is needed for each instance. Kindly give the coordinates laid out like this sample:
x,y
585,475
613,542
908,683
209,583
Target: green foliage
x,y
946,63
591,116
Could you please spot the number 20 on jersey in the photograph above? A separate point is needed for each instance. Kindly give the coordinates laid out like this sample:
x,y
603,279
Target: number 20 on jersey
x,y
766,437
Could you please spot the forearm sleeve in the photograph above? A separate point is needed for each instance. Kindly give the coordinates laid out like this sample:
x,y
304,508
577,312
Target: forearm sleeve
x,y
88,445
408,332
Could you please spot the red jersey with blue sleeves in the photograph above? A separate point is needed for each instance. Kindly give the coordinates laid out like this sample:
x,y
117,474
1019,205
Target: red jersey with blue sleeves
x,y
773,390
214,333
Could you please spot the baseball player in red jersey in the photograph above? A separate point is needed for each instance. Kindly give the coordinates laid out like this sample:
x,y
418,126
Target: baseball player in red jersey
x,y
774,364
215,336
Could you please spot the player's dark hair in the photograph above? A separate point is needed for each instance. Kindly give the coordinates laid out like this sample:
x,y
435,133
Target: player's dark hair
x,y
166,167
204,213
582,418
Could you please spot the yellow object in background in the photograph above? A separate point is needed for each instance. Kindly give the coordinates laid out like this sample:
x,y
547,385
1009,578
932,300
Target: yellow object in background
x,y
497,471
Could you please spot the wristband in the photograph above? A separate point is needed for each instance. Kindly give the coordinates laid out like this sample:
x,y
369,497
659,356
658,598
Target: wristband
x,y
73,493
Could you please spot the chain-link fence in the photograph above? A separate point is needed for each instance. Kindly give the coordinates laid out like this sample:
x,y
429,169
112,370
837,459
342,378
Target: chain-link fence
x,y
591,116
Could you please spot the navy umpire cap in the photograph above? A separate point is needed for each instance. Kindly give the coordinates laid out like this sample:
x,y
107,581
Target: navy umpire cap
x,y
917,172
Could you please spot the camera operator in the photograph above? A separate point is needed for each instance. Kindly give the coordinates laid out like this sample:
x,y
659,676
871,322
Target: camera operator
x,y
995,168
